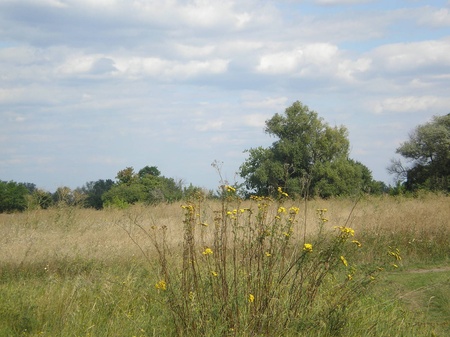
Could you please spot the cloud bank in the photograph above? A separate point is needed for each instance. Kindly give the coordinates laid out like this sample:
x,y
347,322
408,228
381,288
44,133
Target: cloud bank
x,y
89,87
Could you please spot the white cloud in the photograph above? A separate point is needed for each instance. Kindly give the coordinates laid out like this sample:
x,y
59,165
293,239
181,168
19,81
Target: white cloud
x,y
192,51
209,125
341,2
400,57
305,60
103,76
136,67
347,69
255,120
15,117
435,17
410,104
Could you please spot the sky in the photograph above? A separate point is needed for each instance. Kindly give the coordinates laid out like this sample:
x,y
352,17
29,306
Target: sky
x,y
90,87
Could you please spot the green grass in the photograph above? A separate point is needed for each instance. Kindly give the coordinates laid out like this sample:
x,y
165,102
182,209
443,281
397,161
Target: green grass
x,y
87,298
426,293
80,298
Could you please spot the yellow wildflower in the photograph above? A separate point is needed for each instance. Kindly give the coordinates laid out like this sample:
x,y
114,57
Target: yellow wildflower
x,y
396,254
207,251
344,261
349,277
357,243
268,254
294,210
251,298
161,285
280,191
281,209
230,188
213,273
307,247
345,231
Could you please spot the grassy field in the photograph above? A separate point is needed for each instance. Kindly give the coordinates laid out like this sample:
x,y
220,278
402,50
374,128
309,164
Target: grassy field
x,y
144,271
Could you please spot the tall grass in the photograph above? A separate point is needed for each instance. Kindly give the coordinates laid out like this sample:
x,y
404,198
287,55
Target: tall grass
x,y
160,271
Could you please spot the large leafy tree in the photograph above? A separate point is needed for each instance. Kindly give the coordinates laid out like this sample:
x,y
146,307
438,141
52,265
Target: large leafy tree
x,y
12,196
428,152
148,185
94,191
308,157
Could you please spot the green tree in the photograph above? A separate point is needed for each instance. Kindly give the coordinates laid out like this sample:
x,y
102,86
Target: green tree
x,y
309,157
148,186
149,170
124,193
126,176
95,190
39,199
12,196
428,152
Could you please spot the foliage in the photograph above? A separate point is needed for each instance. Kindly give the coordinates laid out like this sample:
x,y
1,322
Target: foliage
x,y
428,151
39,199
308,158
12,196
146,186
94,191
248,275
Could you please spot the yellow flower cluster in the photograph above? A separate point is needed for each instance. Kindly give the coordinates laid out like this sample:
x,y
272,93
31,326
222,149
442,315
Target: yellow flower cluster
x,y
345,231
396,254
281,209
280,191
307,247
161,285
294,210
251,298
321,213
230,188
344,261
189,208
207,251
257,198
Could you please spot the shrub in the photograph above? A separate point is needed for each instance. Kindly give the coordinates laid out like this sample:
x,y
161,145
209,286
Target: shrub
x,y
250,274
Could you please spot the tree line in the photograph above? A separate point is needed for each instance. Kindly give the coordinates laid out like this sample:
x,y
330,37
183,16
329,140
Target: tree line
x,y
308,158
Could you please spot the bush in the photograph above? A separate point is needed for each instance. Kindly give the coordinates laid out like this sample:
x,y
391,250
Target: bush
x,y
250,274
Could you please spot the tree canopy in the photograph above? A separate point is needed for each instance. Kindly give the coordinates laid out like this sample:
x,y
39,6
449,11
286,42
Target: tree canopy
x,y
428,152
146,186
309,157
13,196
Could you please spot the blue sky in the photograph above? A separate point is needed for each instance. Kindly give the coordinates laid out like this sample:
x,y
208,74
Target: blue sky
x,y
88,88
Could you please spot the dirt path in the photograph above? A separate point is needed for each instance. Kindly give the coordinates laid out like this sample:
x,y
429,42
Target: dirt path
x,y
430,270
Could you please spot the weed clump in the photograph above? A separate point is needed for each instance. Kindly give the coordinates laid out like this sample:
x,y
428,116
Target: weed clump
x,y
252,273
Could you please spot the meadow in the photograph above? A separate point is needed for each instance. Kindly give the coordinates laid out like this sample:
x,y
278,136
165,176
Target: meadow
x,y
376,266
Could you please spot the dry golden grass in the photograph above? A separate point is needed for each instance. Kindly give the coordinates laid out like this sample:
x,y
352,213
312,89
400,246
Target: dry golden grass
x,y
45,235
